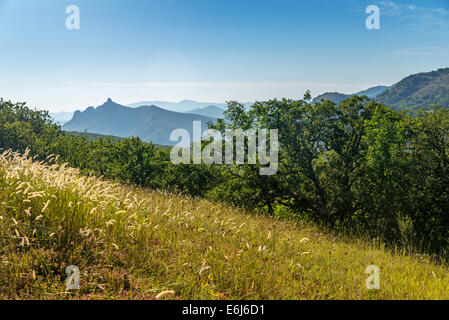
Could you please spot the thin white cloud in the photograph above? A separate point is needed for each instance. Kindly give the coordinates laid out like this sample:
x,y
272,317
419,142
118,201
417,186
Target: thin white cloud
x,y
390,7
411,11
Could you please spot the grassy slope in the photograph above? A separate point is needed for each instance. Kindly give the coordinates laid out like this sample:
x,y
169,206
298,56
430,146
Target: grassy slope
x,y
135,243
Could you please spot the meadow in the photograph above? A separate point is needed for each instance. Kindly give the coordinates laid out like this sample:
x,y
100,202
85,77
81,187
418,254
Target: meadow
x,y
136,243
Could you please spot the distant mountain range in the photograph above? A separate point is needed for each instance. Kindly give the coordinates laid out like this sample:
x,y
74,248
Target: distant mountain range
x,y
210,111
153,121
150,123
61,117
182,106
413,92
338,97
188,106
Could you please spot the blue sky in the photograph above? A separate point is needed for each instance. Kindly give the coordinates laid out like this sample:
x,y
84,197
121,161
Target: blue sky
x,y
211,50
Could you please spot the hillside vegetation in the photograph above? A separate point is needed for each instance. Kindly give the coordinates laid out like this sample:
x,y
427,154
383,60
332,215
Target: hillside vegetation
x,y
411,93
135,243
418,90
358,167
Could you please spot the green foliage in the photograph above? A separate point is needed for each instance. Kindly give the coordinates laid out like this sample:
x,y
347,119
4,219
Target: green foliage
x,y
127,160
356,166
21,128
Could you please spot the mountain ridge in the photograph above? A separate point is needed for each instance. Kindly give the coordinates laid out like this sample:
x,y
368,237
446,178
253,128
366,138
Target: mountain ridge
x,y
415,91
210,111
150,123
185,106
418,91
337,97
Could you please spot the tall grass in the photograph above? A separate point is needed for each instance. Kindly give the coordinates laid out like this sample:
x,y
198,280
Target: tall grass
x,y
132,243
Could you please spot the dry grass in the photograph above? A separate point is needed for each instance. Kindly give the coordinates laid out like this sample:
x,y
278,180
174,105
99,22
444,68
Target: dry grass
x,y
131,243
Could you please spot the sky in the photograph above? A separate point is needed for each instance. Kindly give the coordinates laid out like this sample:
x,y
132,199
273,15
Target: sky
x,y
211,50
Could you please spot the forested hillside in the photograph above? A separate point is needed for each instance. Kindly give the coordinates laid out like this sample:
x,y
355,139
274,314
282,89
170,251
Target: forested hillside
x,y
411,93
418,90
